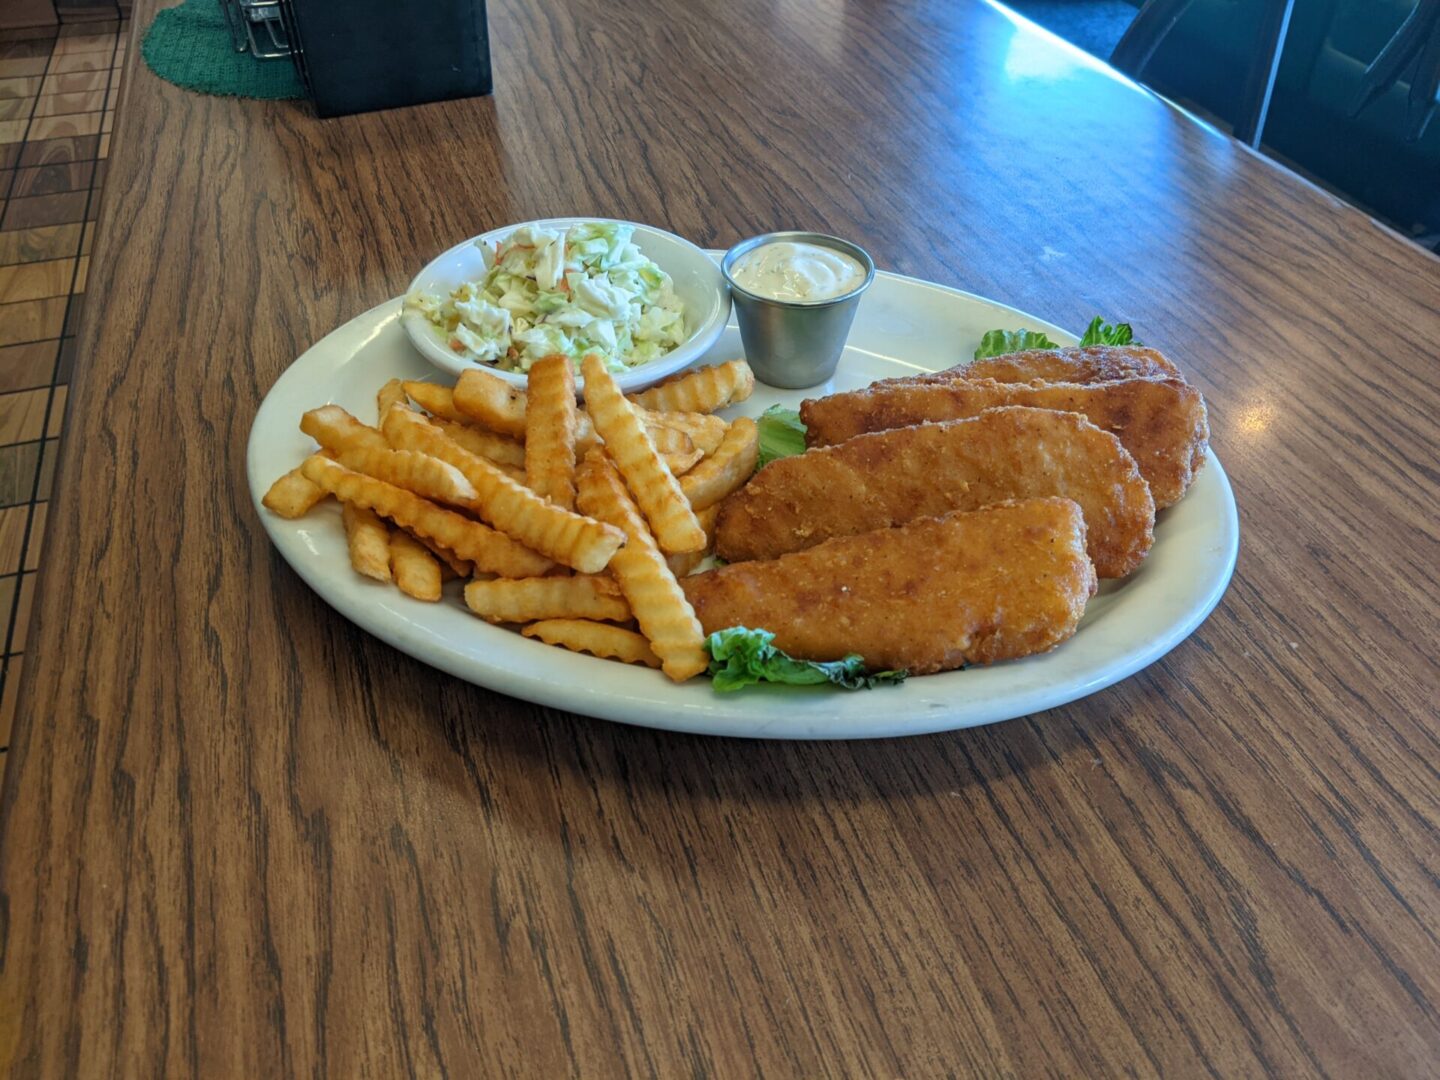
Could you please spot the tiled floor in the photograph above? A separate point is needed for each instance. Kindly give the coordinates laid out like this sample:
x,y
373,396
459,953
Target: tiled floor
x,y
58,89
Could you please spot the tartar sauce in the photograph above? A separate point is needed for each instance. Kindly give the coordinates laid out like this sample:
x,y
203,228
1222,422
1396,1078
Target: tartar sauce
x,y
786,270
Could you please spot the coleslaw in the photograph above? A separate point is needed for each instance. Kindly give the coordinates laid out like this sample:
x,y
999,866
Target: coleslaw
x,y
586,289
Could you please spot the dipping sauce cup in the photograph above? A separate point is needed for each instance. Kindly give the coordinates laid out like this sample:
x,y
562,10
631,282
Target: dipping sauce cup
x,y
795,343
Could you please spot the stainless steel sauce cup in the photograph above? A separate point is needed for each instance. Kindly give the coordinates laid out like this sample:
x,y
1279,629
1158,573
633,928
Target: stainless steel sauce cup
x,y
793,344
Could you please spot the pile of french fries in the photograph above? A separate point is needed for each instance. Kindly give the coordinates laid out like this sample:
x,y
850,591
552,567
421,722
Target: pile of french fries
x,y
571,522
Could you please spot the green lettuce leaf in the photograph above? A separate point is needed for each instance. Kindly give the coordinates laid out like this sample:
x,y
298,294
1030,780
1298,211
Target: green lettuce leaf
x,y
781,434
1100,332
1000,342
740,657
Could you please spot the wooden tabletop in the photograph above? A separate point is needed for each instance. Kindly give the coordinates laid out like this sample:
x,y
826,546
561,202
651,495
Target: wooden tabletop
x,y
241,837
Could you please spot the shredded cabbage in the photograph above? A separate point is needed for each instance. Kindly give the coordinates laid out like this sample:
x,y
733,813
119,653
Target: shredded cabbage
x,y
588,289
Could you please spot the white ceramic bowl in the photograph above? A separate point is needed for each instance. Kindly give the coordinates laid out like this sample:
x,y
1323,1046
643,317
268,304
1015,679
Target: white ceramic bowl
x,y
697,278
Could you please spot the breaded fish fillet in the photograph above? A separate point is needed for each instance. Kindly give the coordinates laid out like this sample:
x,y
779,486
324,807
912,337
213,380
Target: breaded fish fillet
x,y
1092,364
971,587
890,477
1160,421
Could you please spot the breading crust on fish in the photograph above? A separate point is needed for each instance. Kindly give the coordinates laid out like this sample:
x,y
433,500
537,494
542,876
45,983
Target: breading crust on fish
x,y
1092,364
887,478
1161,422
969,587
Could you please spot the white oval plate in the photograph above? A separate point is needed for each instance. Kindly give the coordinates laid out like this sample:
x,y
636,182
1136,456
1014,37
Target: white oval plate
x,y
903,326
696,277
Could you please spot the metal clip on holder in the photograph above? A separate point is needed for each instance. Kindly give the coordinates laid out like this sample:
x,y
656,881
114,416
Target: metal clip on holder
x,y
257,27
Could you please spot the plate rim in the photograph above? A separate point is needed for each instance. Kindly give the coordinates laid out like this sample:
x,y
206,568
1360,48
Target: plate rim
x,y
582,697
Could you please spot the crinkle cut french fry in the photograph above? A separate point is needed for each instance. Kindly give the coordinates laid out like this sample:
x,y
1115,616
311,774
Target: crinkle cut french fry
x,y
426,476
682,463
482,443
495,404
566,537
629,447
707,518
368,539
582,596
666,439
507,455
492,402
726,470
417,572
470,540
664,614
336,430
598,639
454,566
681,565
292,496
436,400
550,431
392,393
699,390
705,431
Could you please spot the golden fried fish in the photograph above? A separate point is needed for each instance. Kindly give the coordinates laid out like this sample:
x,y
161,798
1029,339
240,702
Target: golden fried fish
x,y
1092,364
887,478
1161,422
971,587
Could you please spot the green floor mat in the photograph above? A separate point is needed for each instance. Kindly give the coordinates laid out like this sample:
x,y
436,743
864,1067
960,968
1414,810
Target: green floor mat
x,y
190,46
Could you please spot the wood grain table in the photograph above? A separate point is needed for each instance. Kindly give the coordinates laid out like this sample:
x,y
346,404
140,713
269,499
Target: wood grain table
x,y
242,838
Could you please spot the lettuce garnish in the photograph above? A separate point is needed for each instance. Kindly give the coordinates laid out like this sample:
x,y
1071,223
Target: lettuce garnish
x,y
781,434
1099,332
741,657
1000,342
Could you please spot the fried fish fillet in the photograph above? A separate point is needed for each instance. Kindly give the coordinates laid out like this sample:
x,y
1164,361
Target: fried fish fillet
x,y
1092,364
890,477
1161,422
971,587
1076,365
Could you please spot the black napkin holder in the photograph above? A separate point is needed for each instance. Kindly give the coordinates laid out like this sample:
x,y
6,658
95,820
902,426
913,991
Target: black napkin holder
x,y
361,55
